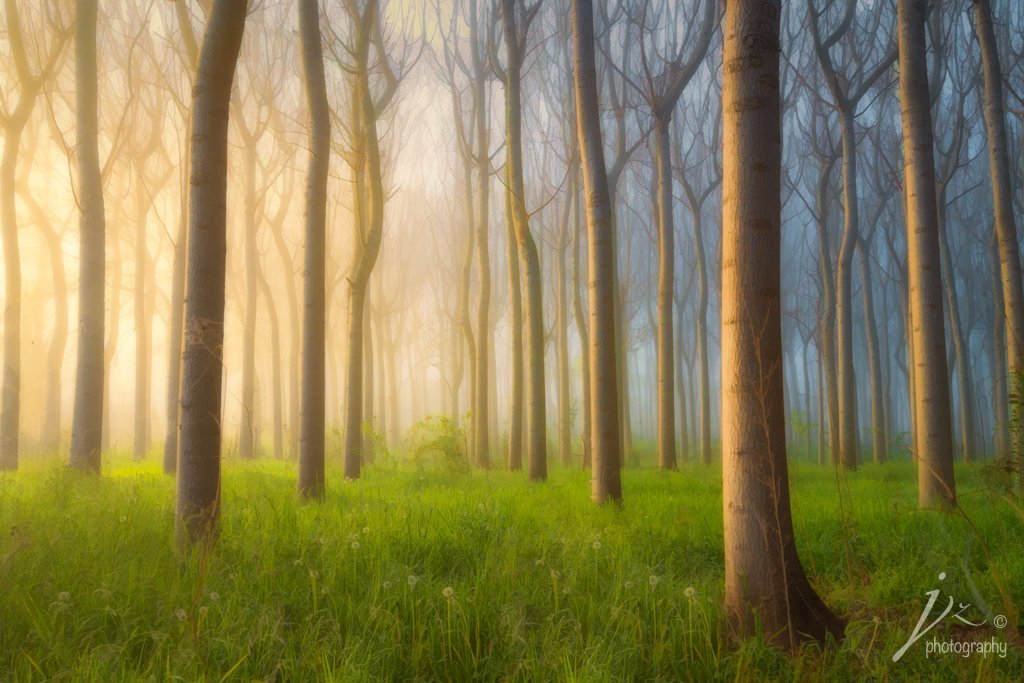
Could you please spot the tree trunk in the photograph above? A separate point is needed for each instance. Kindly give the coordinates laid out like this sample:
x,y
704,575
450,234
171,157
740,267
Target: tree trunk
x,y
10,414
140,441
87,427
536,403
1000,391
879,437
198,496
827,318
1002,196
581,322
515,417
247,442
934,432
562,337
849,436
666,286
604,400
965,382
314,302
765,584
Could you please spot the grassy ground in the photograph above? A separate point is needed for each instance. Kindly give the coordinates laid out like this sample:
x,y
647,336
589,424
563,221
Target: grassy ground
x,y
414,575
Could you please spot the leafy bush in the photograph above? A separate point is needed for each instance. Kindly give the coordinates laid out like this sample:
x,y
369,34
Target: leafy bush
x,y
438,441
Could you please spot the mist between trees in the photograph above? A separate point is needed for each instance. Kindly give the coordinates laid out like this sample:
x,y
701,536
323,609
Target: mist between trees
x,y
743,231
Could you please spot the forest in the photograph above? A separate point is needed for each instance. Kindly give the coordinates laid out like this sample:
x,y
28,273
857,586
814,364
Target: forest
x,y
584,340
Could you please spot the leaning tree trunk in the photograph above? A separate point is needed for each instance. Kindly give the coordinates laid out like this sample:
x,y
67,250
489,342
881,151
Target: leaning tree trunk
x,y
1002,196
314,304
604,400
934,443
198,496
765,584
87,426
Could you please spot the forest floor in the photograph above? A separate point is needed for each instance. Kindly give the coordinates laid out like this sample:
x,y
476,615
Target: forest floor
x,y
413,574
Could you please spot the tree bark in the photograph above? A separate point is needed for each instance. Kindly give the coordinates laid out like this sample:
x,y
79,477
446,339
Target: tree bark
x,y
536,413
1002,198
87,427
605,441
312,413
934,444
198,495
765,583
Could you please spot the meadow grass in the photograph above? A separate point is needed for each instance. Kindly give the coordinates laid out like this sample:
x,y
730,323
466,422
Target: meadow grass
x,y
413,574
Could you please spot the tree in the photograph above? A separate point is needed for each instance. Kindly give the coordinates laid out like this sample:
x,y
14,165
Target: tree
x,y
662,92
177,295
364,157
13,119
605,442
1002,197
764,580
934,443
516,19
198,495
311,431
87,427
847,91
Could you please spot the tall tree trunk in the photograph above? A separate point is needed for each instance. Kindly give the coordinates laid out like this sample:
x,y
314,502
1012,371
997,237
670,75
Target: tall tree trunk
x,y
1000,407
702,338
765,584
140,441
965,382
198,495
536,405
879,437
367,163
515,296
827,317
465,319
666,430
1002,196
87,426
849,437
275,366
562,337
10,414
581,321
247,441
604,400
314,303
935,439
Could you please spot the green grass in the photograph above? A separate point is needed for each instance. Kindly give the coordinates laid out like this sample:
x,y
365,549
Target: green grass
x,y
544,585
